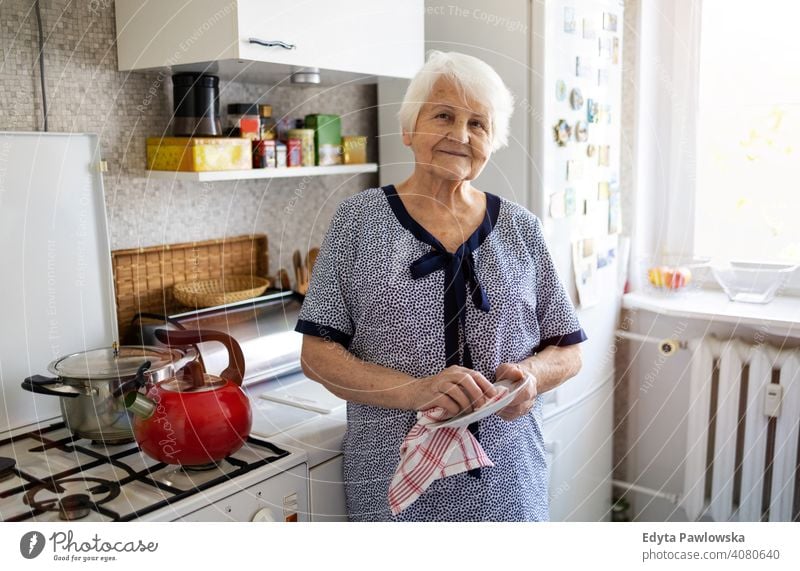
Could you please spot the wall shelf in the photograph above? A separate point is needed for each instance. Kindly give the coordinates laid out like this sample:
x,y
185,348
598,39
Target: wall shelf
x,y
249,174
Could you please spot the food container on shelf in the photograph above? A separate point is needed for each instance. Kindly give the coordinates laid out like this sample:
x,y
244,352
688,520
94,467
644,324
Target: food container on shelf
x,y
752,282
196,154
671,275
306,138
327,138
354,149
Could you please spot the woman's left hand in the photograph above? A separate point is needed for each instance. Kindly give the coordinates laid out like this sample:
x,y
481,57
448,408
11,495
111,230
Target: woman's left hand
x,y
525,398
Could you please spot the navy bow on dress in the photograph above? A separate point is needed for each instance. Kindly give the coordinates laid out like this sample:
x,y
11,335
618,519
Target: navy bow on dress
x,y
459,276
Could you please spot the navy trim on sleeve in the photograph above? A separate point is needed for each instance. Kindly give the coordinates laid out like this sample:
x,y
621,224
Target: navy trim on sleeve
x,y
323,331
573,338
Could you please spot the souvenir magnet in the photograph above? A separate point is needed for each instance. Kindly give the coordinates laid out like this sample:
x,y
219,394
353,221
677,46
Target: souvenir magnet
x,y
581,131
589,30
590,150
562,132
576,98
591,111
557,205
569,20
561,90
569,202
609,21
603,155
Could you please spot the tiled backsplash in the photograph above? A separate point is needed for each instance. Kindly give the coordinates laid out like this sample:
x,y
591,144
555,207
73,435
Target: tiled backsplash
x,y
86,93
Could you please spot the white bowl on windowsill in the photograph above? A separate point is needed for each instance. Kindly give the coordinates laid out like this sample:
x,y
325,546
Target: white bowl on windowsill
x,y
752,282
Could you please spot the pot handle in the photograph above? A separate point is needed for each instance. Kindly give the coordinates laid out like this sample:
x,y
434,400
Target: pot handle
x,y
235,370
39,384
133,384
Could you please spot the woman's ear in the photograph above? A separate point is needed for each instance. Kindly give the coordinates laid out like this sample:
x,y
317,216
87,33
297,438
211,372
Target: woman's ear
x,y
406,138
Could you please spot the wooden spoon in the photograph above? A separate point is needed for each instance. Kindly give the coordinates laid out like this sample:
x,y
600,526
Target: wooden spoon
x,y
311,260
297,262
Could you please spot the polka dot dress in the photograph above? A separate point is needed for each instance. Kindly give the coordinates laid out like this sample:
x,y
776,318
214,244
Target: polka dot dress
x,y
385,289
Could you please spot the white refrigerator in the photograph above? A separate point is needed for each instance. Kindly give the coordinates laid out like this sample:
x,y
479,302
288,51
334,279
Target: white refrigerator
x,y
562,61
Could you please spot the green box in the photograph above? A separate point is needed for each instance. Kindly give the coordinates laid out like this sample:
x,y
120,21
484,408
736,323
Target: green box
x,y
327,138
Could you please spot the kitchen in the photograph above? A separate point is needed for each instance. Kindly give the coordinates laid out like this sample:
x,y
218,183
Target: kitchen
x,y
188,141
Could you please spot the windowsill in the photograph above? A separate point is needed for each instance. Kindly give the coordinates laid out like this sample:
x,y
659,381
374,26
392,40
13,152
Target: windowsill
x,y
782,314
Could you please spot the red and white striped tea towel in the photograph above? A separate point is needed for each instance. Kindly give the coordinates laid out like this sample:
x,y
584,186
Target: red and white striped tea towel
x,y
428,454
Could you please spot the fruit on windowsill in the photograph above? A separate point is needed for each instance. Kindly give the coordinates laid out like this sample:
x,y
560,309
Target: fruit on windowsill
x,y
669,277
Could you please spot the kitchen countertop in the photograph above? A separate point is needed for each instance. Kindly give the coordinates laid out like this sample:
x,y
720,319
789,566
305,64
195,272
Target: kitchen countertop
x,y
318,434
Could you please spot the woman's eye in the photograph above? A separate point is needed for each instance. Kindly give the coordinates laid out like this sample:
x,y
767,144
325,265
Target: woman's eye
x,y
442,116
478,124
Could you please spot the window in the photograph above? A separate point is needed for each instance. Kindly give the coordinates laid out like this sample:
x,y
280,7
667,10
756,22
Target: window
x,y
747,194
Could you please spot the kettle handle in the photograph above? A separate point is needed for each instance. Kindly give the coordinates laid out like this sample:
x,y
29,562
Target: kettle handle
x,y
235,369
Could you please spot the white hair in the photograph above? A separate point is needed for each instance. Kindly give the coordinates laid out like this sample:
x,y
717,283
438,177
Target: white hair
x,y
478,81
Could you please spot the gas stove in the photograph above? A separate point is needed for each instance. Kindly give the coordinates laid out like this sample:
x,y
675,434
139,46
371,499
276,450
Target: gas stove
x,y
48,474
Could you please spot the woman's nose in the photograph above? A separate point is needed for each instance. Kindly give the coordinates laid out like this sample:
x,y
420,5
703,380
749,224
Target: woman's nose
x,y
459,132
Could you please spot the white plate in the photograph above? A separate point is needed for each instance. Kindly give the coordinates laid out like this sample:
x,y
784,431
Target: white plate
x,y
466,419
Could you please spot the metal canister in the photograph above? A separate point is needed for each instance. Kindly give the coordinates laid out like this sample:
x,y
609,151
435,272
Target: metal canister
x,y
280,154
294,153
264,154
306,137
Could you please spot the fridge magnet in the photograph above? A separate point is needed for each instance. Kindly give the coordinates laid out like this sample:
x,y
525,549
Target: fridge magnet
x,y
574,170
606,113
581,131
569,202
604,47
576,98
591,150
561,90
562,132
615,51
614,212
592,110
609,22
582,69
602,77
589,29
585,267
602,190
557,205
569,20
603,155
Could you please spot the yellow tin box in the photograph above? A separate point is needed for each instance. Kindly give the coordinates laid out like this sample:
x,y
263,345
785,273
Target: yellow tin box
x,y
196,154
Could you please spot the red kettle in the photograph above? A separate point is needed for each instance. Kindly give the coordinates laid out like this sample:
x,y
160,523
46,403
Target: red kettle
x,y
193,418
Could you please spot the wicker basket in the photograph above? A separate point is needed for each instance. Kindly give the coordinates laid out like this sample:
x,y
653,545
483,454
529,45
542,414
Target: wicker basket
x,y
209,293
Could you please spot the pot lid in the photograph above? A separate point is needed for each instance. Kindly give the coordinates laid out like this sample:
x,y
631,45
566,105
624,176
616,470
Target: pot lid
x,y
121,362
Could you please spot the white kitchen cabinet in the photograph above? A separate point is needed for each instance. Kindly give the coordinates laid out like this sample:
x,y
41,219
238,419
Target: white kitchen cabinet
x,y
327,491
353,38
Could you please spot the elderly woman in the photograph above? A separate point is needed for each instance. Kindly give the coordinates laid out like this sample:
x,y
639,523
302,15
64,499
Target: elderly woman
x,y
428,291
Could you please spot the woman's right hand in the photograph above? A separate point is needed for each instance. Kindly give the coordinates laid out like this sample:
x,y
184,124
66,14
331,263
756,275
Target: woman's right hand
x,y
456,389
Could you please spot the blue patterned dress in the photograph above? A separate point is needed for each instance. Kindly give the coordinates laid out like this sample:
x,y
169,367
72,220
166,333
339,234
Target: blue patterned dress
x,y
387,290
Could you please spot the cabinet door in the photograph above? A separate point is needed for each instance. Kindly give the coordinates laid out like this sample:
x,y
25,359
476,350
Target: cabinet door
x,y
327,491
375,37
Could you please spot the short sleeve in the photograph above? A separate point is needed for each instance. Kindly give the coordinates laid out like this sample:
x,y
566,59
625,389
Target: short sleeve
x,y
325,312
558,322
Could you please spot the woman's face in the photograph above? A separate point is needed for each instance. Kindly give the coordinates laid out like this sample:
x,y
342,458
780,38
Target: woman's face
x,y
452,138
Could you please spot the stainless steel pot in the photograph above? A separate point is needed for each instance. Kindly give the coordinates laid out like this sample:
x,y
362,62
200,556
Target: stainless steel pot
x,y
91,384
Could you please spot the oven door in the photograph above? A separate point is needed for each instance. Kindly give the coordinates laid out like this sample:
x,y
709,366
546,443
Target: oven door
x,y
283,497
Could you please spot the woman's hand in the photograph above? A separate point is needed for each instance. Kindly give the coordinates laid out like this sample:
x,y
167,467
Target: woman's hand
x,y
525,398
456,389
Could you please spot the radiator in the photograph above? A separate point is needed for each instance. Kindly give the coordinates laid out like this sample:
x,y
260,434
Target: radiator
x,y
742,445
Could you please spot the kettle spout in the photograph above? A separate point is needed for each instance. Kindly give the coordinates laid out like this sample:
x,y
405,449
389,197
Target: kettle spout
x,y
139,404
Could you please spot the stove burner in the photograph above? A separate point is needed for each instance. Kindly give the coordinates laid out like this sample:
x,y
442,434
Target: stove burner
x,y
200,467
72,506
6,468
75,506
113,441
